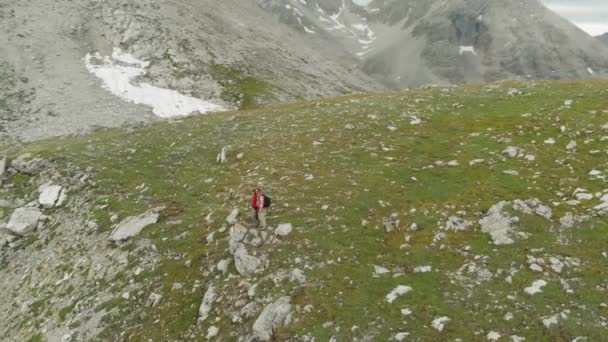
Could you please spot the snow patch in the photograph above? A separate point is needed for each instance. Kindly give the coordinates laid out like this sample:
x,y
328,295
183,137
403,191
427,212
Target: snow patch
x,y
119,71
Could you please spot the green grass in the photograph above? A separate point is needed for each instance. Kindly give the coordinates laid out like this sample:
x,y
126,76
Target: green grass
x,y
363,174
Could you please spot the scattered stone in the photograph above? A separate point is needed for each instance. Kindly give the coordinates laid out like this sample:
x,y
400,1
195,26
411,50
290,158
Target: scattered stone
x,y
132,226
567,221
50,195
297,275
536,287
511,152
249,310
493,336
154,300
453,163
550,141
283,229
223,265
548,322
232,218
423,269
511,172
571,146
207,304
28,165
498,223
457,224
221,157
24,221
245,264
397,292
378,270
212,332
240,156
440,322
273,316
177,286
401,336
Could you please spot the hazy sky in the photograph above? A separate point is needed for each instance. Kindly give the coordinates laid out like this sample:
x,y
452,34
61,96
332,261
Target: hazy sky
x,y
590,15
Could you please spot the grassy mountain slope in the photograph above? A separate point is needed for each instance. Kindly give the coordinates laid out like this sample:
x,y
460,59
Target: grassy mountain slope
x,y
338,170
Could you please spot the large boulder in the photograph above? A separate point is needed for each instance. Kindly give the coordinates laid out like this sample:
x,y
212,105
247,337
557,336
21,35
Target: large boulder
x,y
207,304
274,316
132,226
24,221
499,224
51,196
246,264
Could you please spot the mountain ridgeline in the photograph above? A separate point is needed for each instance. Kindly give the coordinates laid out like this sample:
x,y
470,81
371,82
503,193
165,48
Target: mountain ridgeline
x,y
242,54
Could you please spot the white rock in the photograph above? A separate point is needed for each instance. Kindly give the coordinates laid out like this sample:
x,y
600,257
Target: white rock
x,y
567,221
154,300
440,322
406,312
423,269
223,265
556,264
515,338
273,316
595,173
548,322
240,156
245,264
493,336
297,275
457,224
49,195
536,287
232,218
397,292
24,221
498,223
212,332
550,141
207,304
378,270
511,151
453,163
536,268
283,229
221,157
511,172
132,226
401,336
571,146
508,316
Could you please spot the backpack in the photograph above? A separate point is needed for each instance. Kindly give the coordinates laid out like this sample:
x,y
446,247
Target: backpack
x,y
267,201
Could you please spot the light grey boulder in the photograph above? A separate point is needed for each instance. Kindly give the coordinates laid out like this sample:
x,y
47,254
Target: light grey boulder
x,y
284,229
51,195
249,310
274,316
233,217
246,264
499,224
28,164
511,152
298,276
132,226
154,300
24,221
207,304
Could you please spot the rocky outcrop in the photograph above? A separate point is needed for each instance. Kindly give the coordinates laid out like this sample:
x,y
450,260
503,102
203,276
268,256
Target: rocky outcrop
x,y
51,196
273,316
499,224
24,221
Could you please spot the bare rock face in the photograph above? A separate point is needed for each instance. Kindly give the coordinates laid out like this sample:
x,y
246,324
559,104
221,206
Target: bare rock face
x,y
499,224
24,221
274,316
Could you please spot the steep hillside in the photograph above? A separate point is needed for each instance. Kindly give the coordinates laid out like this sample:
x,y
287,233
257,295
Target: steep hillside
x,y
412,42
604,38
473,213
231,53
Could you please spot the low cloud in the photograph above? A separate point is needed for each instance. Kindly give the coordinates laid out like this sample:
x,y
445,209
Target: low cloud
x,y
589,15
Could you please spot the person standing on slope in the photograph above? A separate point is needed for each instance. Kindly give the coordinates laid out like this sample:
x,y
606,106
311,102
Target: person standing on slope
x,y
254,204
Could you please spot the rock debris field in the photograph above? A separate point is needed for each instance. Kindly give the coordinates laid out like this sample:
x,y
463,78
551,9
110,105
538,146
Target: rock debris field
x,y
469,213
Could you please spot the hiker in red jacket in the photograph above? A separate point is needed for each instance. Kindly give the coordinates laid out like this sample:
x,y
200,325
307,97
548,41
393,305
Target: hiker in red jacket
x,y
254,204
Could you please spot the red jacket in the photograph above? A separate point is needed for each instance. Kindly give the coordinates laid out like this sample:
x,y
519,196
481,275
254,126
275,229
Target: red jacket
x,y
254,200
